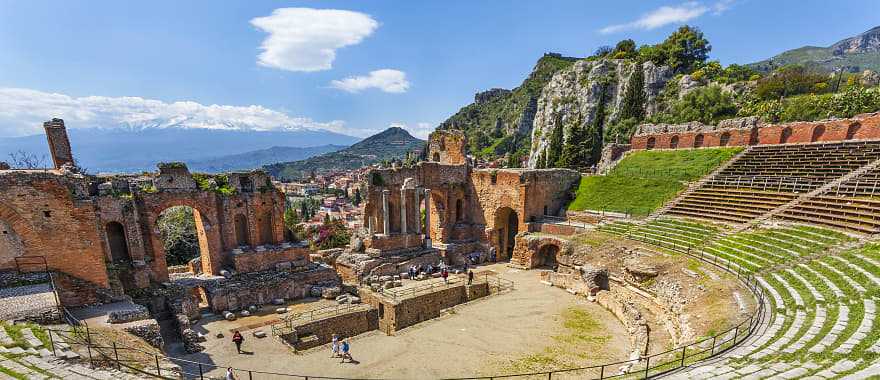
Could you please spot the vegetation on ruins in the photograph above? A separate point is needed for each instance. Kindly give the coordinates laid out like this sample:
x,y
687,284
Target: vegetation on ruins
x,y
330,234
708,105
177,227
21,159
645,180
214,183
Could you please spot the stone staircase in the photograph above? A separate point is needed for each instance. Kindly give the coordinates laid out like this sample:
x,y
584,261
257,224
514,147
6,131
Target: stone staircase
x,y
696,185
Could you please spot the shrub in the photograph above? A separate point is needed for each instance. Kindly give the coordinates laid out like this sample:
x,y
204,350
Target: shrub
x,y
704,104
789,81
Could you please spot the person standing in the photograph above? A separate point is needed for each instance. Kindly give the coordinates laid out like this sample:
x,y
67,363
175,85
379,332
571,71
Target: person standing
x,y
334,348
470,277
229,374
445,274
346,351
238,339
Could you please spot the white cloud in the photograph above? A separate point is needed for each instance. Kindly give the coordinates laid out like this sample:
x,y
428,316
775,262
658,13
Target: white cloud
x,y
420,130
22,112
306,39
667,15
387,80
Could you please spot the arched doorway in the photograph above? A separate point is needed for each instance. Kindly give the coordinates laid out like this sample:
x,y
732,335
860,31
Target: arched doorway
x,y
651,142
266,233
507,226
725,139
11,245
673,142
241,231
698,141
785,135
818,132
546,257
117,242
436,157
182,234
852,130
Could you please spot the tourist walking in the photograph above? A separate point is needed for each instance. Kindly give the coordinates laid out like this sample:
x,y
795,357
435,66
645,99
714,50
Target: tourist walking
x,y
492,254
238,339
334,348
445,274
229,374
346,351
470,277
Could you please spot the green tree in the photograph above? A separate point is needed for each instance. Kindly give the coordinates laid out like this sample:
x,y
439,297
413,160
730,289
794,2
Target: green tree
x,y
177,227
357,197
791,80
685,49
634,96
554,150
624,49
708,105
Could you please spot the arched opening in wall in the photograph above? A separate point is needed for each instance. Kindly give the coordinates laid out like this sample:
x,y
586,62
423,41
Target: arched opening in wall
x,y
458,211
117,242
436,157
785,135
651,143
673,142
241,231
817,133
182,233
724,139
11,246
852,130
546,257
698,141
266,233
442,144
754,137
507,226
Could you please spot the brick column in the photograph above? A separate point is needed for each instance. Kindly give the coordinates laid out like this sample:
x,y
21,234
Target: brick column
x,y
386,222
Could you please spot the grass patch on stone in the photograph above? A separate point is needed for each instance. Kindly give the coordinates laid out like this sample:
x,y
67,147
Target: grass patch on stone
x,y
592,239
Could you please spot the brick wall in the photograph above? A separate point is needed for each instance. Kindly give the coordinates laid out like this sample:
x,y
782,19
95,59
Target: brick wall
x,y
448,147
406,312
866,126
345,325
254,261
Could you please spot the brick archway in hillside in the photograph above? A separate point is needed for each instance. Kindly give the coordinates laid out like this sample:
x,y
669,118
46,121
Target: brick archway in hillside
x,y
23,231
506,228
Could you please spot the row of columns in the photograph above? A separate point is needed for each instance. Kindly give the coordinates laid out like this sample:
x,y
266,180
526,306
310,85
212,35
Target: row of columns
x,y
386,219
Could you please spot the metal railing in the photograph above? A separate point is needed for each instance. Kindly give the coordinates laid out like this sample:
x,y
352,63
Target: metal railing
x,y
164,367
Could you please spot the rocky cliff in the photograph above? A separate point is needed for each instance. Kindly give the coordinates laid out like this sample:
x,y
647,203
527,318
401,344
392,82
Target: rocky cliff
x,y
576,95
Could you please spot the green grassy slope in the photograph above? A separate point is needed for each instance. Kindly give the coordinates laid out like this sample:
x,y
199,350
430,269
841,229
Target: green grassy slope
x,y
645,180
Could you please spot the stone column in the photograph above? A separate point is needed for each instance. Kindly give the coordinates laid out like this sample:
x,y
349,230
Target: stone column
x,y
403,211
386,222
418,211
428,218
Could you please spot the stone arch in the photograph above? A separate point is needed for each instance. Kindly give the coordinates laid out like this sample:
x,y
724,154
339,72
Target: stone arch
x,y
852,129
698,140
506,227
206,232
459,210
266,233
785,135
724,139
652,141
18,234
673,142
546,256
818,132
118,242
242,233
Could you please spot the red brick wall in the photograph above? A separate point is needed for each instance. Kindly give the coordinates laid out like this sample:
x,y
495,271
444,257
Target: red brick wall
x,y
253,261
860,127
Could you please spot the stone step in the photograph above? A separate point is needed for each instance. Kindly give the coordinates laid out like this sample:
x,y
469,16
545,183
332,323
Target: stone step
x,y
786,337
825,280
839,326
862,331
807,284
5,340
795,295
31,339
815,327
853,283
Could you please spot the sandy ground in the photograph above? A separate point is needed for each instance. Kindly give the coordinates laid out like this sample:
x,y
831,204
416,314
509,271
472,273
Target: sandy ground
x,y
482,337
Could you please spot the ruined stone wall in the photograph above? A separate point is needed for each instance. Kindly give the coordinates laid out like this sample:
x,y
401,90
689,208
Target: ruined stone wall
x,y
261,288
345,325
394,316
447,147
270,258
750,131
59,144
53,217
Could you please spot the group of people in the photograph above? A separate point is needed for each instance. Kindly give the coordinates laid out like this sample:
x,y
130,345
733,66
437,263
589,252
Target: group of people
x,y
416,270
341,349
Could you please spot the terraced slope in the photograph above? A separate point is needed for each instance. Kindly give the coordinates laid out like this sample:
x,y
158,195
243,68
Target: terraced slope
x,y
666,232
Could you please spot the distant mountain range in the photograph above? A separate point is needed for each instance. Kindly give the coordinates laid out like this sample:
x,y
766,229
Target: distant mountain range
x,y
853,54
391,143
100,150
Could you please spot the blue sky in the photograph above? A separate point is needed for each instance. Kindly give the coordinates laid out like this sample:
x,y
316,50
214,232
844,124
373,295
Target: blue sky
x,y
273,64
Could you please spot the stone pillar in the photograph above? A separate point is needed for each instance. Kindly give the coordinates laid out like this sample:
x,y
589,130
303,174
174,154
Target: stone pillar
x,y
369,220
428,218
403,211
386,222
418,211
59,144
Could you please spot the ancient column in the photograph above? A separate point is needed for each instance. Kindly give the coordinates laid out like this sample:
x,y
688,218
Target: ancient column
x,y
403,211
428,218
418,213
386,221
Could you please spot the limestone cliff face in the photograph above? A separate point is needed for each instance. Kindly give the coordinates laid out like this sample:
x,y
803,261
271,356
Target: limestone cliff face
x,y
573,97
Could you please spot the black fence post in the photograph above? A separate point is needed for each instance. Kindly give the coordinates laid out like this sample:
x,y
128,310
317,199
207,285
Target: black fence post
x,y
602,372
647,365
250,375
158,369
52,342
201,372
683,352
116,355
89,350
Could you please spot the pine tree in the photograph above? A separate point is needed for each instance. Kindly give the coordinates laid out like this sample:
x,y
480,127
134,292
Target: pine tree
x,y
574,153
357,197
555,149
594,147
634,97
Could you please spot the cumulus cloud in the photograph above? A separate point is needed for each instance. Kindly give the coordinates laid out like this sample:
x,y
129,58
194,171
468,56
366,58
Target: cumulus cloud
x,y
306,39
22,112
387,80
667,15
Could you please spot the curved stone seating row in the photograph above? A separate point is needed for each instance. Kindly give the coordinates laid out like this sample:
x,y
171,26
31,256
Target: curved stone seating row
x,y
664,232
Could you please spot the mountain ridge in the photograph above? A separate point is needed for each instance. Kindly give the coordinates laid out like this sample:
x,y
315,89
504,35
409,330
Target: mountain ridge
x,y
852,54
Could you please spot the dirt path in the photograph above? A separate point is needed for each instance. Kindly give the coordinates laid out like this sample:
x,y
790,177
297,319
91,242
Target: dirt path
x,y
505,333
